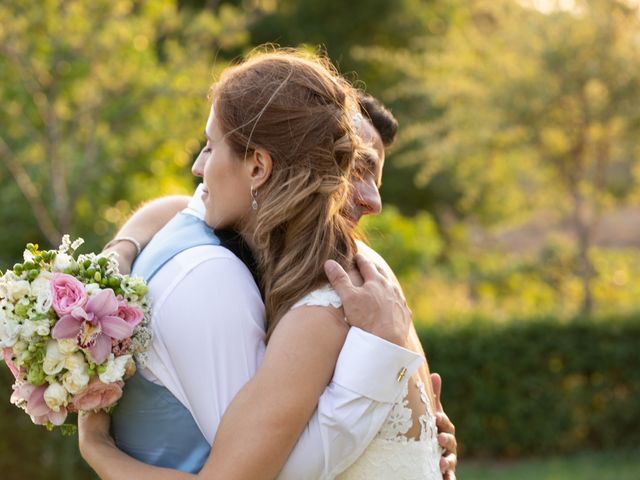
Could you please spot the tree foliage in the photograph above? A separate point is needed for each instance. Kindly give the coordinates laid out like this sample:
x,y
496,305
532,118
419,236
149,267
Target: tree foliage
x,y
535,110
103,104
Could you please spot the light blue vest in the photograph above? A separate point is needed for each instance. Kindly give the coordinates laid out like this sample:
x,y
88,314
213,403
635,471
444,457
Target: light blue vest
x,y
149,423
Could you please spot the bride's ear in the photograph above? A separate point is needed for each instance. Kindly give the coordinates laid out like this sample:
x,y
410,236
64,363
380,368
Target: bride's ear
x,y
260,165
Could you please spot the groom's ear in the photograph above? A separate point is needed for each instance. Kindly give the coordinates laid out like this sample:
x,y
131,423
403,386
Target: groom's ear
x,y
260,165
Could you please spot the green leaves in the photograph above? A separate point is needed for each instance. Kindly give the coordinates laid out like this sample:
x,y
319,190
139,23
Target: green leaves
x,y
535,387
105,101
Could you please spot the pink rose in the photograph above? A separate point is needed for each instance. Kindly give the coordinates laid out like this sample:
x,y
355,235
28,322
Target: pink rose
x,y
132,315
98,395
67,292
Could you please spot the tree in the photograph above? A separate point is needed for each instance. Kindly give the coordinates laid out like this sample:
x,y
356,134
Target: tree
x,y
539,110
103,102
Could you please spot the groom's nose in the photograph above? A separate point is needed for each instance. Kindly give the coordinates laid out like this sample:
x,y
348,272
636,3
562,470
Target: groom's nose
x,y
368,198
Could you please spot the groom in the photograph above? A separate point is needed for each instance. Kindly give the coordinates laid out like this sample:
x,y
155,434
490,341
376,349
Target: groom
x,y
377,131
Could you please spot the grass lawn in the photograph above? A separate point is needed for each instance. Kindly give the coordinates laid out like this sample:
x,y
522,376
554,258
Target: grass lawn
x,y
618,465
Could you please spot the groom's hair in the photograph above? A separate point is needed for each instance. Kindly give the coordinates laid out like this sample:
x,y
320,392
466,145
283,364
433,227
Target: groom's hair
x,y
381,118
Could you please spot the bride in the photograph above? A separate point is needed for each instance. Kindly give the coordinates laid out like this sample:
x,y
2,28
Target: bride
x,y
286,202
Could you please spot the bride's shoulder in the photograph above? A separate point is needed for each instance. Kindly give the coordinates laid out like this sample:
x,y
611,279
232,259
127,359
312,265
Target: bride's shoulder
x,y
318,317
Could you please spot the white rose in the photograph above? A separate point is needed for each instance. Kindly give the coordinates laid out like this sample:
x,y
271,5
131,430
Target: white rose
x,y
75,381
62,262
9,332
91,289
55,396
18,289
75,362
54,359
67,345
43,327
115,369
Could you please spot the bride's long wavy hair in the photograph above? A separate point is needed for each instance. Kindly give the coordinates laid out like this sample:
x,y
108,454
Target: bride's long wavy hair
x,y
297,108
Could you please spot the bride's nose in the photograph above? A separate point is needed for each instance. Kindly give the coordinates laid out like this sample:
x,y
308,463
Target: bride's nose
x,y
197,169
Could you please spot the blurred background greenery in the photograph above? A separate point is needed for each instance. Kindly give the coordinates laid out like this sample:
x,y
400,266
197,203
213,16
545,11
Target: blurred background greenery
x,y
512,208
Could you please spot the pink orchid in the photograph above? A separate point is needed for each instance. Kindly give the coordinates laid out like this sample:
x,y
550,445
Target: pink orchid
x,y
95,325
36,407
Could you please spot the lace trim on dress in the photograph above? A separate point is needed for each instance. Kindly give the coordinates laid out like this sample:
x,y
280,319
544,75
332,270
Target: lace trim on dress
x,y
399,420
391,455
321,297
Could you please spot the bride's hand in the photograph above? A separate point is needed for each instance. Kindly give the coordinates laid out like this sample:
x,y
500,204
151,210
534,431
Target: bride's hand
x,y
93,431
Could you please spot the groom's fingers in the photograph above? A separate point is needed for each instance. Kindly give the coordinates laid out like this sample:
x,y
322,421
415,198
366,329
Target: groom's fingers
x,y
448,467
436,381
448,442
444,424
338,278
367,268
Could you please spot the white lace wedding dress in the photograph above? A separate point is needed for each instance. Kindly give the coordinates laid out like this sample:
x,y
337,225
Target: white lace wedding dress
x,y
391,455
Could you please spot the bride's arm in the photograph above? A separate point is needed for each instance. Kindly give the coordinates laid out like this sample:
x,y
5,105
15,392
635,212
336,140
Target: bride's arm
x,y
266,417
145,222
262,424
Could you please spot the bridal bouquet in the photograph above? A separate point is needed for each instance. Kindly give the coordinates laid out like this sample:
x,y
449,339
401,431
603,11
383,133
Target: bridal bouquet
x,y
69,331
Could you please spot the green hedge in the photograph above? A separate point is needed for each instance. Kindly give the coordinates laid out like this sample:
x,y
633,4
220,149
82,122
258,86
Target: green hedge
x,y
539,386
516,389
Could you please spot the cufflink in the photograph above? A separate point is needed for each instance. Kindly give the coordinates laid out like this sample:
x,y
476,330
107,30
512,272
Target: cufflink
x,y
401,374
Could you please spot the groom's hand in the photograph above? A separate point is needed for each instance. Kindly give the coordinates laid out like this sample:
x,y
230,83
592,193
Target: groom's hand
x,y
446,434
378,306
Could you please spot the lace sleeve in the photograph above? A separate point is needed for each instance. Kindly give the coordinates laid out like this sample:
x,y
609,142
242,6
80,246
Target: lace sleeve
x,y
321,297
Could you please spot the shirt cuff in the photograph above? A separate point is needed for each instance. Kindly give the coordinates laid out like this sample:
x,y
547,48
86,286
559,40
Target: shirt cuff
x,y
373,367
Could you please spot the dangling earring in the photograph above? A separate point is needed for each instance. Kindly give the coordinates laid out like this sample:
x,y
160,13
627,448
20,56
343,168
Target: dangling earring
x,y
254,202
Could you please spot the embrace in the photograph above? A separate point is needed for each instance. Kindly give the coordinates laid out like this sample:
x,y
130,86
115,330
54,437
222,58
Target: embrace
x,y
283,347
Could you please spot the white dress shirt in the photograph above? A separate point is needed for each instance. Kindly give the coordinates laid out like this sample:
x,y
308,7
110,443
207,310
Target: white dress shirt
x,y
209,339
